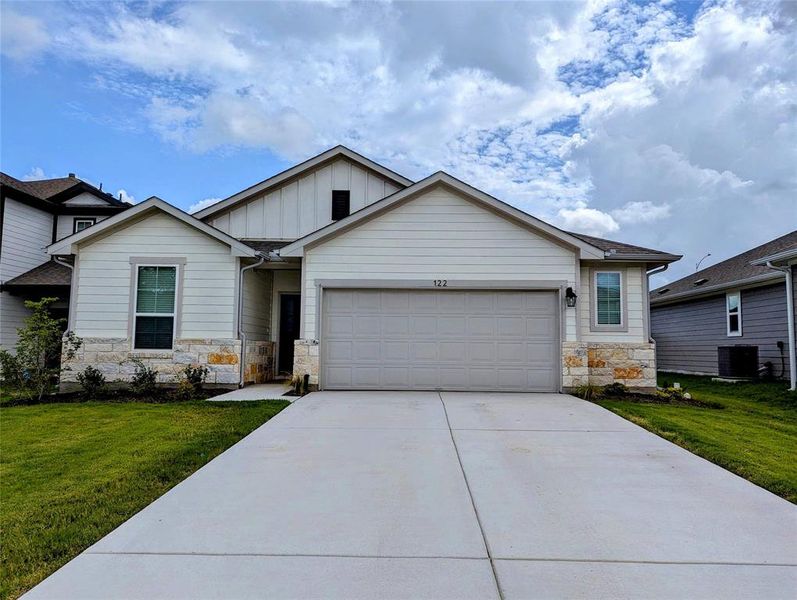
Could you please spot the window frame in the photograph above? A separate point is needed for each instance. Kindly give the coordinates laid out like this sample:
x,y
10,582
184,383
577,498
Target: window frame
x,y
728,332
332,205
76,220
595,326
135,264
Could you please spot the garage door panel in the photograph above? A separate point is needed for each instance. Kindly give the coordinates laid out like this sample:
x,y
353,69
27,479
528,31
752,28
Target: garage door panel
x,y
441,339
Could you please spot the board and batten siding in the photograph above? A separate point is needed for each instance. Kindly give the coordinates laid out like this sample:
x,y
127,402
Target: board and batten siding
x,y
438,235
27,231
304,204
256,310
688,334
103,295
633,280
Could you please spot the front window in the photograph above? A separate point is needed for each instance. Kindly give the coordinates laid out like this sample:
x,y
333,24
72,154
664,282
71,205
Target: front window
x,y
608,298
79,224
733,307
155,307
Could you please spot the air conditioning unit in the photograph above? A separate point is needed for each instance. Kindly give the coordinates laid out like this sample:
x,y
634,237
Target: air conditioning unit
x,y
737,361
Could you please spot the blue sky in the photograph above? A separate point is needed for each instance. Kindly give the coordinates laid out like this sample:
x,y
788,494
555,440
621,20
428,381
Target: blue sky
x,y
665,124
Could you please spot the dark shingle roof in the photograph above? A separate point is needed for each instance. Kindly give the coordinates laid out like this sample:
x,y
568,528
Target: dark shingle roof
x,y
265,246
50,273
728,272
42,189
620,248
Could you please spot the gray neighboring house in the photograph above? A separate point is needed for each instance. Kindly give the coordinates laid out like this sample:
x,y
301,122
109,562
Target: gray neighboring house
x,y
33,215
745,300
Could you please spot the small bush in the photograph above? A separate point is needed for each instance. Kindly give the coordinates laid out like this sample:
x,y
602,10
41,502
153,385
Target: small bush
x,y
615,390
195,375
588,391
144,380
92,381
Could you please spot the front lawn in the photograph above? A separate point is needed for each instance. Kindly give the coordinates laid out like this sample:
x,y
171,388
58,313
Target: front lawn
x,y
754,434
72,472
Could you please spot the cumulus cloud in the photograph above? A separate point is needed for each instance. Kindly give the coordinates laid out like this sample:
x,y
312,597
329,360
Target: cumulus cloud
x,y
197,206
34,174
125,197
609,117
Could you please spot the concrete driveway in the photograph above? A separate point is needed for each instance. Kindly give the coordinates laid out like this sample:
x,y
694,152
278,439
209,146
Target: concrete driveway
x,y
452,495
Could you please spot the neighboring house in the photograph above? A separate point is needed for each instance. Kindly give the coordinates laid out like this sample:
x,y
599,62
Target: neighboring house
x,y
740,301
344,271
34,215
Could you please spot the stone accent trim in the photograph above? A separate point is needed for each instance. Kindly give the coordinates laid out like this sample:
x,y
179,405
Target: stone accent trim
x,y
602,363
259,361
114,358
305,359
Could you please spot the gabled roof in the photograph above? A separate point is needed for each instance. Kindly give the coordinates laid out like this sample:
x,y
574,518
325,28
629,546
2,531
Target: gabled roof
x,y
736,271
297,170
48,274
68,245
50,193
627,251
587,249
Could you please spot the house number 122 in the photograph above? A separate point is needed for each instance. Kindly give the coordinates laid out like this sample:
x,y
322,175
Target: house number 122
x,y
441,282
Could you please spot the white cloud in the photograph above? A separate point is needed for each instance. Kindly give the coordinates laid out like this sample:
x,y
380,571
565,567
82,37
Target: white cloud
x,y
641,212
197,206
587,220
34,174
22,37
606,116
125,197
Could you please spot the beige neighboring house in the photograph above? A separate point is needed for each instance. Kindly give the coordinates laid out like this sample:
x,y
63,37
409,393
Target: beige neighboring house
x,y
34,215
347,272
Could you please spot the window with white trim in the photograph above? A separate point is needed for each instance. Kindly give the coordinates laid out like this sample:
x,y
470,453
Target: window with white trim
x,y
608,298
156,297
733,313
81,223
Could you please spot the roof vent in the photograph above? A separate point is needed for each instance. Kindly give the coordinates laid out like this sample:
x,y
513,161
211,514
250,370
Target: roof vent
x,y
663,290
700,281
72,175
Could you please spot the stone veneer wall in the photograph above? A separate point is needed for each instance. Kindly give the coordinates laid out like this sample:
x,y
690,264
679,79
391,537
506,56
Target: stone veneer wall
x,y
259,361
602,363
113,357
305,359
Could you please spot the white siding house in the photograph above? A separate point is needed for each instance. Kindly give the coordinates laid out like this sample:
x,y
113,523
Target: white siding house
x,y
350,275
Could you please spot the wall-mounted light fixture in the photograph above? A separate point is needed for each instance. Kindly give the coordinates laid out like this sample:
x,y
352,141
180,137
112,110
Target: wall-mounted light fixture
x,y
570,297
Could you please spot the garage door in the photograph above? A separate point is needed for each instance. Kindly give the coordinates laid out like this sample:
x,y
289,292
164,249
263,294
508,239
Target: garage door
x,y
440,339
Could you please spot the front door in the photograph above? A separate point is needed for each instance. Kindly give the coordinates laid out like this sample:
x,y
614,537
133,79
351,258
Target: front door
x,y
290,306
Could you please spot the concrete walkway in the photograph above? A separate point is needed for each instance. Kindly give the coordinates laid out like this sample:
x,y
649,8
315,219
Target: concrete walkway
x,y
258,391
426,495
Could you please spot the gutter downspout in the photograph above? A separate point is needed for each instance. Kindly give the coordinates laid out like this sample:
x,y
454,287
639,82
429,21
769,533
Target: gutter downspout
x,y
655,271
790,309
241,335
61,261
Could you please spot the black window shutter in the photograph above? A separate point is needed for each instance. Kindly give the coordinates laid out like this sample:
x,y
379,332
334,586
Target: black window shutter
x,y
340,204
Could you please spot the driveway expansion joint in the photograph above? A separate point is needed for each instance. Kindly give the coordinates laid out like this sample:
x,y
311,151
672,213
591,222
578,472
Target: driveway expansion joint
x,y
472,501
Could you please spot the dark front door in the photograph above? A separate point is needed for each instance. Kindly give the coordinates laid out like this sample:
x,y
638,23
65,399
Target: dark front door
x,y
289,330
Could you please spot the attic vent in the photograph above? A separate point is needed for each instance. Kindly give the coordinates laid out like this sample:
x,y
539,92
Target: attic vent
x,y
663,290
700,281
340,204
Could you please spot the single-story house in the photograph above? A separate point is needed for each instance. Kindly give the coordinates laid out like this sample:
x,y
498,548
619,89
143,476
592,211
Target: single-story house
x,y
744,301
347,272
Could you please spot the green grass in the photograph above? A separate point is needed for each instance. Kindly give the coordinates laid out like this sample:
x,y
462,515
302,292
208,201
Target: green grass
x,y
754,435
72,472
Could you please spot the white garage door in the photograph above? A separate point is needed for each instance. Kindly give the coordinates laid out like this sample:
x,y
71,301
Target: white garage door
x,y
440,339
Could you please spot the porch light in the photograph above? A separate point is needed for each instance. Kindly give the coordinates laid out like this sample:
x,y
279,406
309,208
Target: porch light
x,y
570,297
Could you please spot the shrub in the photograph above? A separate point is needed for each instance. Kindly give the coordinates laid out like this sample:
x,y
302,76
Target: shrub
x,y
588,391
144,380
36,362
615,390
195,375
92,381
